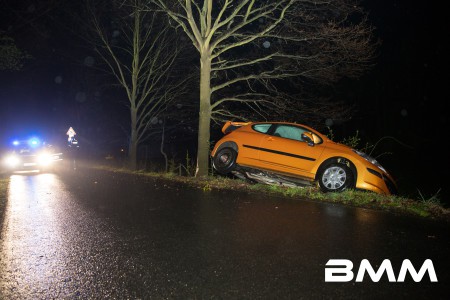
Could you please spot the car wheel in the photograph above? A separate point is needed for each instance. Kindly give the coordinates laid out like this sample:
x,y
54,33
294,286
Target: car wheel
x,y
335,177
225,160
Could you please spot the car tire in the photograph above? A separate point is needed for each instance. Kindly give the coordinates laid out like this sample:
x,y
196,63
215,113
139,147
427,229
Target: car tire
x,y
225,160
335,177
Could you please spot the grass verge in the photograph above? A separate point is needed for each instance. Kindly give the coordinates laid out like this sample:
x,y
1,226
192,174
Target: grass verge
x,y
4,182
426,208
430,208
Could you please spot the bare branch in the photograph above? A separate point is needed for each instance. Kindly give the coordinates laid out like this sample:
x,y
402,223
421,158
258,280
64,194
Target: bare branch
x,y
141,57
271,48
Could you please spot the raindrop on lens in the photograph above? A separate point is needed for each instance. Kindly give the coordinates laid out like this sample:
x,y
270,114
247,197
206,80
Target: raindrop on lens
x,y
58,79
89,61
80,97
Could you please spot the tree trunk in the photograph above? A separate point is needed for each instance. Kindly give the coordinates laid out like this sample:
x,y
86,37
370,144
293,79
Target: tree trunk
x,y
204,121
132,153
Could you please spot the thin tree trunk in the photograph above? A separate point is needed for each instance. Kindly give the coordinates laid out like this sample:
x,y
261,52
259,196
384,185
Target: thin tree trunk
x,y
162,150
132,154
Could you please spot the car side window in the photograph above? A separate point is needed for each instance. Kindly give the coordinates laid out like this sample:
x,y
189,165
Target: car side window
x,y
263,128
289,132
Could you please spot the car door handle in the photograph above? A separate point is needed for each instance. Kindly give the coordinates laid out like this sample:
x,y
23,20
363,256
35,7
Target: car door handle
x,y
270,139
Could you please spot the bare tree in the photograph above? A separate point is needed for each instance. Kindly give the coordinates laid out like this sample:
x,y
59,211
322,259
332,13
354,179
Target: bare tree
x,y
251,50
11,57
140,52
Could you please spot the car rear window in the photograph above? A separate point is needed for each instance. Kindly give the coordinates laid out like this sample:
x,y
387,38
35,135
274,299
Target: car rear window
x,y
263,128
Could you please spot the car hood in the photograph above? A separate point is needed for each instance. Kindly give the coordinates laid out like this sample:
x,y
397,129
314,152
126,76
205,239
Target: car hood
x,y
337,146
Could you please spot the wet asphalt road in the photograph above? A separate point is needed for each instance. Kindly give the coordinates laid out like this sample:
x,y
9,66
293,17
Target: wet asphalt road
x,y
91,234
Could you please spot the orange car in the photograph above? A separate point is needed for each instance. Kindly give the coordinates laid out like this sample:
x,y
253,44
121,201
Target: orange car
x,y
289,152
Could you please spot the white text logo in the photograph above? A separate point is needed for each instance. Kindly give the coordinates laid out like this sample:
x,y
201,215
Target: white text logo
x,y
340,270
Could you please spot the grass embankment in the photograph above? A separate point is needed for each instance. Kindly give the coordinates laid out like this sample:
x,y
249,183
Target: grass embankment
x,y
430,208
4,182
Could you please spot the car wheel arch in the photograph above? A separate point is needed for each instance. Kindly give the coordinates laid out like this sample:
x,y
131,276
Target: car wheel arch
x,y
339,160
229,144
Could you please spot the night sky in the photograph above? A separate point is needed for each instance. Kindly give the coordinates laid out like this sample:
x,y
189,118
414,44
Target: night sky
x,y
404,96
401,99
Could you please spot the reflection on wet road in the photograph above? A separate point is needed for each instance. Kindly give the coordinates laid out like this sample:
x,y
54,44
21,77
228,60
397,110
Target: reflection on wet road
x,y
32,241
41,248
96,234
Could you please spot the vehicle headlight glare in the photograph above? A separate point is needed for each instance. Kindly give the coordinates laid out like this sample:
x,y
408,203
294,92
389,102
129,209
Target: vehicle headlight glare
x,y
12,161
44,159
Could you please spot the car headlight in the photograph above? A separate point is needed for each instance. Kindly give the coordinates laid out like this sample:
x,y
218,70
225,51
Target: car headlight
x,y
12,161
370,159
44,159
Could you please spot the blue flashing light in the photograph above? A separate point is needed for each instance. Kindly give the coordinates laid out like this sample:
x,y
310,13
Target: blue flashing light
x,y
33,142
16,143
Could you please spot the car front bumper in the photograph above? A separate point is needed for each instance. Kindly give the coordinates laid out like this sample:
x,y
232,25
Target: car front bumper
x,y
376,181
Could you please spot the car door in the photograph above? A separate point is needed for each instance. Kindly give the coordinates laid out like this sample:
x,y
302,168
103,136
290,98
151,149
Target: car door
x,y
284,150
250,141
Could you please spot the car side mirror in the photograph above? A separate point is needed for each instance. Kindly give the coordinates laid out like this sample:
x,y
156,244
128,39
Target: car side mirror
x,y
308,137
